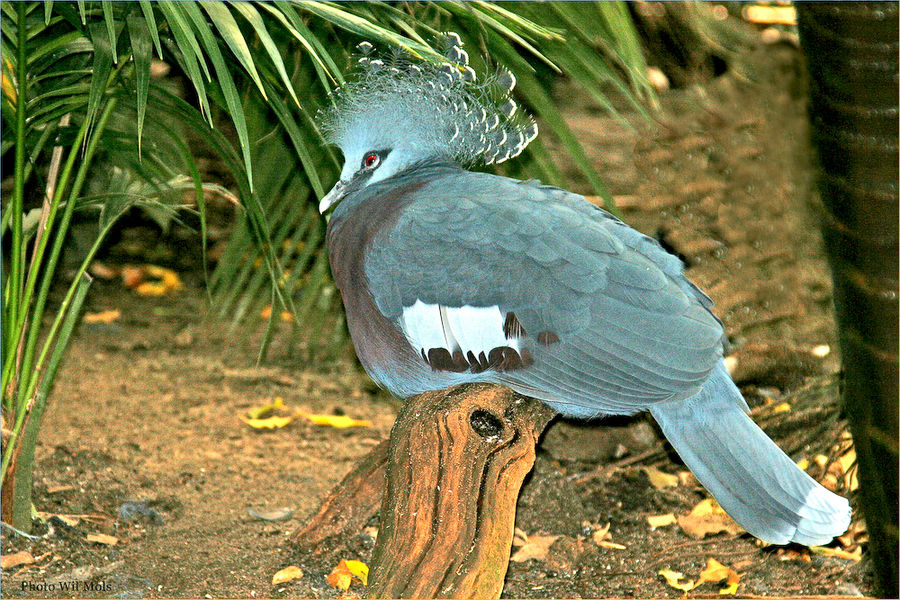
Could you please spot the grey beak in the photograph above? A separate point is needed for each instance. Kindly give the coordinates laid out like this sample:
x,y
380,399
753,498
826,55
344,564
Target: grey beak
x,y
336,194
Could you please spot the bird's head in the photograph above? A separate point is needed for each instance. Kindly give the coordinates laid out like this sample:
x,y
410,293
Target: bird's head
x,y
397,112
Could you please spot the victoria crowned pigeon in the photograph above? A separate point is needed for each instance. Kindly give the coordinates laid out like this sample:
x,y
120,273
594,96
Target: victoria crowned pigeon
x,y
451,276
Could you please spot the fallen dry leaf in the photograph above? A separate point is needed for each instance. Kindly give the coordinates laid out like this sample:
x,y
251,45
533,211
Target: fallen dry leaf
x,y
342,575
661,520
264,417
102,270
8,561
287,574
63,487
520,538
359,569
602,538
106,316
151,280
268,423
339,579
707,518
855,556
780,408
687,479
856,534
266,410
659,479
848,464
73,520
337,421
536,547
673,579
712,573
847,460
715,572
132,276
102,538
785,554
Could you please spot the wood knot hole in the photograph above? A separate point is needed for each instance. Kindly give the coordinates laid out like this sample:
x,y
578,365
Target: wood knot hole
x,y
485,423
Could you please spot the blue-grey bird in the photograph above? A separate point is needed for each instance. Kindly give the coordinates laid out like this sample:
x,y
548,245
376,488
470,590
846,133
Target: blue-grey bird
x,y
451,276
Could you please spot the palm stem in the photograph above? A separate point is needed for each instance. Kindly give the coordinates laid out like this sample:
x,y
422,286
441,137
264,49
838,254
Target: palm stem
x,y
15,282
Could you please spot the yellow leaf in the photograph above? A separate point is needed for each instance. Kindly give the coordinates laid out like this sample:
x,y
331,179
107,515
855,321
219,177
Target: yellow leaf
x,y
536,547
661,520
102,538
780,408
267,423
707,518
716,571
612,545
673,578
659,479
848,460
803,463
266,410
106,316
855,556
602,537
359,569
166,281
287,574
342,575
730,589
338,421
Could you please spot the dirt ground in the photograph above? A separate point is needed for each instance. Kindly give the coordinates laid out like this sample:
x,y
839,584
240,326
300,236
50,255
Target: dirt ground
x,y
147,408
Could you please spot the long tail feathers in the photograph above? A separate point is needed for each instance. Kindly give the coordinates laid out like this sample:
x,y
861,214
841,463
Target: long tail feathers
x,y
750,477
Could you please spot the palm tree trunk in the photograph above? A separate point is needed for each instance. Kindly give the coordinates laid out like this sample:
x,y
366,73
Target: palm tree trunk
x,y
852,50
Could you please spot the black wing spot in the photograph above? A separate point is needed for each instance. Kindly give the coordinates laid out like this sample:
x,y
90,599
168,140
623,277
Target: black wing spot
x,y
440,360
512,328
502,358
547,337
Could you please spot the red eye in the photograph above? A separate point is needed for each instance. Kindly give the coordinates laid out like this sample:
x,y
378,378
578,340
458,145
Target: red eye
x,y
371,160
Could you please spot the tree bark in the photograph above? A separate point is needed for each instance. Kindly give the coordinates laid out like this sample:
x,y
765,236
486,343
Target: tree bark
x,y
456,463
852,55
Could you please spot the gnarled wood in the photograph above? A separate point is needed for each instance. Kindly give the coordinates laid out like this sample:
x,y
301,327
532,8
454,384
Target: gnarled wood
x,y
456,463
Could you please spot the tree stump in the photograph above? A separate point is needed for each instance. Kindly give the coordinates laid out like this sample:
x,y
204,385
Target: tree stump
x,y
451,476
